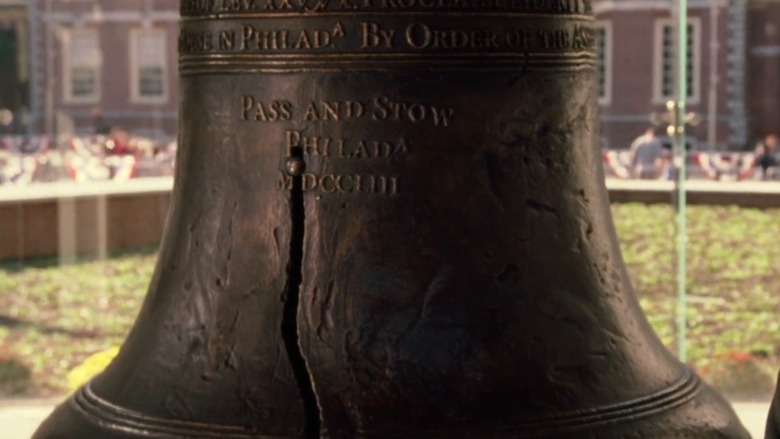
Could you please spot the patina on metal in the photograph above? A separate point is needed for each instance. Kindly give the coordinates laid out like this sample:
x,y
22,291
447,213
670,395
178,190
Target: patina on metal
x,y
389,221
773,422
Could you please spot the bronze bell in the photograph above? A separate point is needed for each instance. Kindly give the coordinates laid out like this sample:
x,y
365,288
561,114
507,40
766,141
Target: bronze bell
x,y
390,221
773,422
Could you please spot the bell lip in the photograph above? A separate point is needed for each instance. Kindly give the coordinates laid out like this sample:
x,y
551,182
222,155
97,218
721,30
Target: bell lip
x,y
114,417
106,415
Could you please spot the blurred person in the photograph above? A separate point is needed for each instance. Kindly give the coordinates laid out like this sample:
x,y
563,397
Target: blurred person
x,y
647,156
7,121
118,142
766,155
664,164
100,125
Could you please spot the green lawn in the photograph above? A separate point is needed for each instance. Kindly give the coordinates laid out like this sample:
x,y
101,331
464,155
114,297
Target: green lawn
x,y
733,283
52,318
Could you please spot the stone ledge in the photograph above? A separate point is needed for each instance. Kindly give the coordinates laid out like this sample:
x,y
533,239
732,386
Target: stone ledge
x,y
67,219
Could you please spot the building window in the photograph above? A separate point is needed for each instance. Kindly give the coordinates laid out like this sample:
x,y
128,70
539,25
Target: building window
x,y
149,68
666,60
603,41
82,62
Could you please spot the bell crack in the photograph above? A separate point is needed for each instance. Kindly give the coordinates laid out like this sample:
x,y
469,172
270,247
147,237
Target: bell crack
x,y
292,296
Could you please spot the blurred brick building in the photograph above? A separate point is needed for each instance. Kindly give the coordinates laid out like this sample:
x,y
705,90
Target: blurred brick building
x,y
14,63
734,69
72,58
81,58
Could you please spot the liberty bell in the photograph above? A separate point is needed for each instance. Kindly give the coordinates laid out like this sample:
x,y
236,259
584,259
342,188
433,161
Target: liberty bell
x,y
389,221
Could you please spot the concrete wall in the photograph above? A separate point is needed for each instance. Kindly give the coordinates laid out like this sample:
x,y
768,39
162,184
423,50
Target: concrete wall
x,y
71,226
103,219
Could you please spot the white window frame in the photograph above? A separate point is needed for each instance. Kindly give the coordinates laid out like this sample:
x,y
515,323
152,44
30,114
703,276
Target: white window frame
x,y
135,67
67,67
606,26
695,90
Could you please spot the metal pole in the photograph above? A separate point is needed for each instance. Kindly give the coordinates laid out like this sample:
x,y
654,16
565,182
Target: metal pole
x,y
33,26
49,109
712,110
682,230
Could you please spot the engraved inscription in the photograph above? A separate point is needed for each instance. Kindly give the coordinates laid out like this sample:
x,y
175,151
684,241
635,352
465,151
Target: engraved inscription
x,y
254,38
227,40
374,36
311,143
580,37
334,110
422,36
415,112
294,6
379,109
253,109
340,148
196,41
382,37
235,5
343,183
205,7
196,7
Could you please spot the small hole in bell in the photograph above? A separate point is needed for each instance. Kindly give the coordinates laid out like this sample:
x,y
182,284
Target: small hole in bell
x,y
296,167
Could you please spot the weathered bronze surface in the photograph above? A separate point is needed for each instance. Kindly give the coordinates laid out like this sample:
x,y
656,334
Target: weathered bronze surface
x,y
390,221
773,422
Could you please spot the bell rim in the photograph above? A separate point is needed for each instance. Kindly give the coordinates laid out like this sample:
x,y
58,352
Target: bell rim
x,y
114,417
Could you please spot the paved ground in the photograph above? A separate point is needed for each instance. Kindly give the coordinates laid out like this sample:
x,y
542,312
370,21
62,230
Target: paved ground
x,y
18,419
753,416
